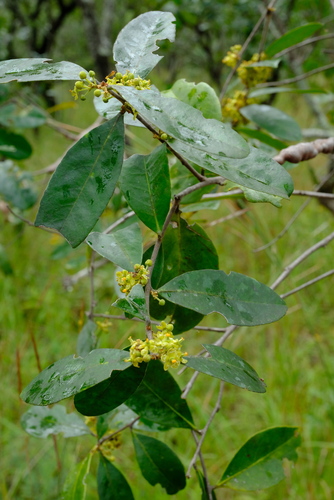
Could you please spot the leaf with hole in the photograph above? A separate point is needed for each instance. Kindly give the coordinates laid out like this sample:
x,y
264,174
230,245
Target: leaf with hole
x,y
71,375
258,463
84,182
240,299
136,43
159,464
227,366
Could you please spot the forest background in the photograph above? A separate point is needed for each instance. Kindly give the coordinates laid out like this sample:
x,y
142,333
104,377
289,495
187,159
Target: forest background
x,y
43,302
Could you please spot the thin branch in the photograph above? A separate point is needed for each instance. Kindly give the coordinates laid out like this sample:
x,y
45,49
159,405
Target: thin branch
x,y
205,429
295,79
308,283
109,436
29,222
304,43
120,221
70,281
305,150
205,473
301,258
234,215
313,194
245,45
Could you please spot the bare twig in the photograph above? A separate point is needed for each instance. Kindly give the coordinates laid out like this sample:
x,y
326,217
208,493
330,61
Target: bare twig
x,y
305,150
29,222
234,215
295,79
308,283
304,43
205,473
119,222
205,429
110,436
313,194
301,258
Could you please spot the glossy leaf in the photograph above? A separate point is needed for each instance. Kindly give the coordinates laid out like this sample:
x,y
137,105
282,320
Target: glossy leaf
x,y
146,187
110,393
14,146
71,375
16,186
258,463
42,422
200,96
227,366
183,122
37,69
158,399
159,464
84,182
136,43
291,38
257,171
279,90
184,248
123,247
110,109
111,483
75,484
263,137
274,120
86,340
134,303
240,299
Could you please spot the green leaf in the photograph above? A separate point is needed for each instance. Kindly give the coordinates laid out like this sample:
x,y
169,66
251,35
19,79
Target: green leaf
x,y
75,484
184,248
263,137
202,483
146,187
275,121
123,247
292,38
37,69
71,375
41,422
14,117
183,122
257,171
240,299
84,182
279,90
14,146
110,393
158,399
136,42
258,463
159,464
112,108
86,340
134,303
111,483
16,186
200,96
226,365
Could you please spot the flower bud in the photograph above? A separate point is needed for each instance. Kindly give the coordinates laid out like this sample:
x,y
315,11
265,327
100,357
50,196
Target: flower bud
x,y
162,302
82,75
118,76
97,92
79,85
92,73
148,262
164,137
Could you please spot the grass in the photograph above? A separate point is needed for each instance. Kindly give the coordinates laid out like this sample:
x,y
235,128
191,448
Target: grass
x,y
294,355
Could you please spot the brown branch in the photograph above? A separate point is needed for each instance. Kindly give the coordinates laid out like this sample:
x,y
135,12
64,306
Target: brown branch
x,y
304,43
308,283
295,78
305,151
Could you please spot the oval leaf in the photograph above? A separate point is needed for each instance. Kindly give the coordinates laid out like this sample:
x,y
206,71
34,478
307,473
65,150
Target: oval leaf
x,y
257,171
158,399
123,247
14,146
37,69
75,484
146,187
240,299
84,182
159,464
258,463
291,38
200,96
136,42
275,121
111,483
110,393
71,375
263,137
227,366
41,422
183,122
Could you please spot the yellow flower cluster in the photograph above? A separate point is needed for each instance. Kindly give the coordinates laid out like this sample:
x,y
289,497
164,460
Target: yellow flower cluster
x,y
232,105
127,280
163,346
107,447
85,85
252,76
232,56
